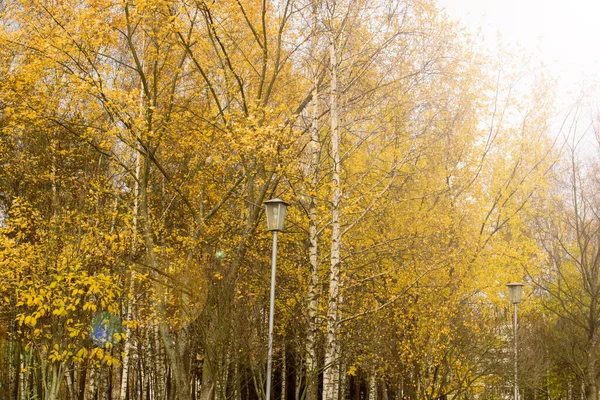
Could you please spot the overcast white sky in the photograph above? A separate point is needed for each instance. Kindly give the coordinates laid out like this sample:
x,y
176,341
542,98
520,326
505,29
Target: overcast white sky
x,y
564,34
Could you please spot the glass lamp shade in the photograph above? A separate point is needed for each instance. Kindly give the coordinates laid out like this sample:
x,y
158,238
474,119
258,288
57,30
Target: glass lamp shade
x,y
515,291
275,210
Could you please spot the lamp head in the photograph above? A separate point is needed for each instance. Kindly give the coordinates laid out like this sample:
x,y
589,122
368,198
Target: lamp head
x,y
515,291
275,210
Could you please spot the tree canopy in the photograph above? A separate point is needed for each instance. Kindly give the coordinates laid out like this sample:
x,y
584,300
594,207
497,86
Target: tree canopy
x,y
140,139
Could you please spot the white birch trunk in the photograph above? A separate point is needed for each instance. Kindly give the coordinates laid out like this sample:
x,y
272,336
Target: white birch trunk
x,y
331,371
131,298
53,387
313,283
373,387
569,390
92,386
161,376
143,375
343,390
339,382
70,385
23,379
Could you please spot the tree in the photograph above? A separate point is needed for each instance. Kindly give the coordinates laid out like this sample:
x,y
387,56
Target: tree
x,y
139,140
570,283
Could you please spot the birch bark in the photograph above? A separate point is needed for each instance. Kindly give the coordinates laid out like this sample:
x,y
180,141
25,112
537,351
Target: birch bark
x,y
331,372
130,300
313,283
373,387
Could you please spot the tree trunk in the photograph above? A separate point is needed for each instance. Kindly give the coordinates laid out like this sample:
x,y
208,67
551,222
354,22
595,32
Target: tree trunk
x,y
16,375
312,377
237,384
384,390
170,342
298,379
283,372
131,298
52,381
70,384
373,386
23,379
343,389
159,365
207,387
331,368
92,384
591,373
82,381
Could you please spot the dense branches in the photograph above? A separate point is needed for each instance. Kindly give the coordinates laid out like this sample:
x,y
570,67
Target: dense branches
x,y
138,141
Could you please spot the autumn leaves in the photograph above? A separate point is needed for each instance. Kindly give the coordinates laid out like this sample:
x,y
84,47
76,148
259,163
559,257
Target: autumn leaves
x,y
139,141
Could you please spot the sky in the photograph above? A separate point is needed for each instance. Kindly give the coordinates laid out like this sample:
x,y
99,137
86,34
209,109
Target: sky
x,y
564,35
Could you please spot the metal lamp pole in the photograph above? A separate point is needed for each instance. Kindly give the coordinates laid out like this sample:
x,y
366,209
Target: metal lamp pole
x,y
275,210
271,312
515,290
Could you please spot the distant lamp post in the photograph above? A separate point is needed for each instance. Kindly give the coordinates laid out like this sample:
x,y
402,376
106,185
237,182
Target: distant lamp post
x,y
275,210
515,291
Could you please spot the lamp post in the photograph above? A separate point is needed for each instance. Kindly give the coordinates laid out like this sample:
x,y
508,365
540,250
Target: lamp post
x,y
275,210
515,290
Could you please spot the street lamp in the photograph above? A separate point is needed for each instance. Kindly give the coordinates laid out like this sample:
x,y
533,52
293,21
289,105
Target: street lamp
x,y
515,290
275,210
